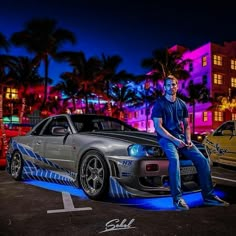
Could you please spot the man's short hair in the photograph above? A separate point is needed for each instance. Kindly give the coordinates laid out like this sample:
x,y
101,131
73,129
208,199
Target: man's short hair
x,y
170,77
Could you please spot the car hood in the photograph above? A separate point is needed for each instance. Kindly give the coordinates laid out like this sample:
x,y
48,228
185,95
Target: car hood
x,y
129,136
139,137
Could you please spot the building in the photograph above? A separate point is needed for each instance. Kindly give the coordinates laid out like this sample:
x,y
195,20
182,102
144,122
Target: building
x,y
215,66
211,64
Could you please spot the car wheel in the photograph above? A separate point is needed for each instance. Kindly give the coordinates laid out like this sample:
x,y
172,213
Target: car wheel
x,y
94,175
16,165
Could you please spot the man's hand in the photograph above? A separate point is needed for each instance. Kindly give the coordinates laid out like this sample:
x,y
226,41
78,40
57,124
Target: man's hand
x,y
180,143
189,144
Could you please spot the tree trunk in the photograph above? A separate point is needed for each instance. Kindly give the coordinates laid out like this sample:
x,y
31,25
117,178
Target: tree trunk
x,y
3,132
45,82
22,112
193,124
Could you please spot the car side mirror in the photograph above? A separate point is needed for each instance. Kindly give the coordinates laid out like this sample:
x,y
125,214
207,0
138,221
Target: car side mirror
x,y
59,131
227,132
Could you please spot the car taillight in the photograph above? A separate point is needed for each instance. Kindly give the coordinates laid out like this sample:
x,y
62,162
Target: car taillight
x,y
151,167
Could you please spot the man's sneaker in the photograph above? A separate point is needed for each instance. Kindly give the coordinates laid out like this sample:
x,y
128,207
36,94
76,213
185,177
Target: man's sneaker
x,y
181,204
215,201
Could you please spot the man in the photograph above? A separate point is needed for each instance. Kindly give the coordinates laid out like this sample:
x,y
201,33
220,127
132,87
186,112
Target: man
x,y
170,117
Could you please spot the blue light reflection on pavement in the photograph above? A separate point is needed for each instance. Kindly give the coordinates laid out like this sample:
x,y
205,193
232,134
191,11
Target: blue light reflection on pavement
x,y
58,188
166,203
157,203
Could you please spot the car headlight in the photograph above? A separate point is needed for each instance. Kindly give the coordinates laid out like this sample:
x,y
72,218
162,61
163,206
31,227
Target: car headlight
x,y
138,150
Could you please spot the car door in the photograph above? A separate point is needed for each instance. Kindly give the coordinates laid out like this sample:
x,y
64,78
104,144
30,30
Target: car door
x,y
57,150
224,142
228,144
36,141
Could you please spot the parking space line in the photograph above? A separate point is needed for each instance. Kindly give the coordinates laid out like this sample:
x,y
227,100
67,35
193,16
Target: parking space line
x,y
68,205
229,180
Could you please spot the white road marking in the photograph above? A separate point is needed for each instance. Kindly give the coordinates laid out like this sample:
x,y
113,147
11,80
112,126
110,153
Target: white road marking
x,y
68,205
229,180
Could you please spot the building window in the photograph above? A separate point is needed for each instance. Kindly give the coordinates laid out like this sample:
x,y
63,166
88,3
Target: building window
x,y
12,93
218,116
205,117
217,60
218,79
233,82
233,116
204,61
233,64
136,114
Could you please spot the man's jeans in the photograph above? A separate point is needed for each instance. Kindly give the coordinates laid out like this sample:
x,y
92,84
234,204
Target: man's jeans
x,y
198,159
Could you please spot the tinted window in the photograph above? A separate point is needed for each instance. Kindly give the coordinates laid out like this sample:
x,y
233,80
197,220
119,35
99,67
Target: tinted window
x,y
58,121
39,128
226,126
94,123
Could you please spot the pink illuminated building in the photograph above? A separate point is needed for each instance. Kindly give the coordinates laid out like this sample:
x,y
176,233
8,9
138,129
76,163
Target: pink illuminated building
x,y
214,65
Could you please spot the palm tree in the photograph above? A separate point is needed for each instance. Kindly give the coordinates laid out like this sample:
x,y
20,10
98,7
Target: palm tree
x,y
121,95
68,85
196,93
24,71
110,73
147,98
86,72
163,63
44,38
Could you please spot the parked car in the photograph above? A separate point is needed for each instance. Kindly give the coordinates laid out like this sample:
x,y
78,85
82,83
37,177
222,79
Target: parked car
x,y
11,130
221,144
102,155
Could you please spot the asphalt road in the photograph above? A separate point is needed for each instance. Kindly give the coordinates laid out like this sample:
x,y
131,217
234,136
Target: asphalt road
x,y
28,209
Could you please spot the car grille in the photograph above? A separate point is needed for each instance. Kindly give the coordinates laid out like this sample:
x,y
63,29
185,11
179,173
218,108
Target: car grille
x,y
188,170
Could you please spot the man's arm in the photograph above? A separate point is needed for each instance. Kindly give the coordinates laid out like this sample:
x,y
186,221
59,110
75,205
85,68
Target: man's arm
x,y
165,134
187,131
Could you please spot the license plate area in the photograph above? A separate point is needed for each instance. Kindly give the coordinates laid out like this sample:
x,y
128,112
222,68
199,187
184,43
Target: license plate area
x,y
188,170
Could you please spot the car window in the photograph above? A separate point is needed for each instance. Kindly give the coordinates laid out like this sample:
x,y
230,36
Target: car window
x,y
57,121
39,128
78,126
99,123
229,126
110,124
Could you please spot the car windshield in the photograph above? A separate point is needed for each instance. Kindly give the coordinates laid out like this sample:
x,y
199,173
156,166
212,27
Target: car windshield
x,y
99,123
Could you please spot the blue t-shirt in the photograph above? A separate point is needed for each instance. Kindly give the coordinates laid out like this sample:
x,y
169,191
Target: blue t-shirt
x,y
172,114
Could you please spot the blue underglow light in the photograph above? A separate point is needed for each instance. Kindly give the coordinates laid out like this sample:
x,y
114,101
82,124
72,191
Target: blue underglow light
x,y
163,203
58,188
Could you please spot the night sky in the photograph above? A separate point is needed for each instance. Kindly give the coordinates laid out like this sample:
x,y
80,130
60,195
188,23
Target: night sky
x,y
129,28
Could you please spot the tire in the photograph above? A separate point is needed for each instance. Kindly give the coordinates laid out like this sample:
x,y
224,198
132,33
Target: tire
x,y
94,175
16,166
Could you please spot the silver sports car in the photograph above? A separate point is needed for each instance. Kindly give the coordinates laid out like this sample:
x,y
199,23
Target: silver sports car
x,y
102,155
